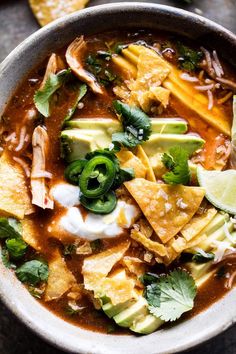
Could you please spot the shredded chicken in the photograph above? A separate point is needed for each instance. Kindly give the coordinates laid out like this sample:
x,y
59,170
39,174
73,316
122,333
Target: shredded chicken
x,y
39,188
55,64
73,59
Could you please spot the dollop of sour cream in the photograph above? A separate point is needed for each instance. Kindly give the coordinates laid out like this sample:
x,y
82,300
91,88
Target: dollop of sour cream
x,y
92,226
66,194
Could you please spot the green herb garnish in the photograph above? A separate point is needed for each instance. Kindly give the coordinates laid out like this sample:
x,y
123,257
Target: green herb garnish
x,y
189,59
16,247
203,257
176,160
171,295
9,228
42,98
136,125
81,92
33,272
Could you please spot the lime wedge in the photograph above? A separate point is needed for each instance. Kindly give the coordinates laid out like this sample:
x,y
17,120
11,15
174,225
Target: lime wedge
x,y
220,187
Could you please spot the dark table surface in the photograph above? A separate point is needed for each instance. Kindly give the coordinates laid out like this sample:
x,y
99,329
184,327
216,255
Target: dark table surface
x,y
17,23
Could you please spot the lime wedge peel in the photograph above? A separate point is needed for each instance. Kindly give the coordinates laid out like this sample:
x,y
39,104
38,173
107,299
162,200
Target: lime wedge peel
x,y
220,187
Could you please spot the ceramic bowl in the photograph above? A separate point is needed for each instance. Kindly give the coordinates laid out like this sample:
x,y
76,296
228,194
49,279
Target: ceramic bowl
x,y
13,70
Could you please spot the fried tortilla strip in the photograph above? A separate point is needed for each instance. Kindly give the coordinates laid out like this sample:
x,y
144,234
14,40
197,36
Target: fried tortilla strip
x,y
184,91
168,208
73,58
60,278
152,246
15,197
97,267
141,154
30,235
129,160
39,189
47,11
197,224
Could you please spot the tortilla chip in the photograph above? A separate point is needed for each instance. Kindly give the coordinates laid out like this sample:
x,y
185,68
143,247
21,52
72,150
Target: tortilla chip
x,y
97,267
144,87
76,292
15,197
161,94
197,224
30,234
141,154
145,228
157,165
152,246
168,208
129,160
47,11
118,291
134,265
60,278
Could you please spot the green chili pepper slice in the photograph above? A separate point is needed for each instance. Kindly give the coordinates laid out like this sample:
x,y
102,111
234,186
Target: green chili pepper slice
x,y
74,170
97,177
103,205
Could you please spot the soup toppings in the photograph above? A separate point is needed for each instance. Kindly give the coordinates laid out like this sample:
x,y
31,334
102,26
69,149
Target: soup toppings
x,y
118,182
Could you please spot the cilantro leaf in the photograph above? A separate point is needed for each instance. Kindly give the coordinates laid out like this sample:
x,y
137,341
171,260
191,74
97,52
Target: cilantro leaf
x,y
149,278
81,92
189,59
123,175
32,272
152,294
6,259
43,97
9,228
177,161
16,247
136,125
177,293
201,257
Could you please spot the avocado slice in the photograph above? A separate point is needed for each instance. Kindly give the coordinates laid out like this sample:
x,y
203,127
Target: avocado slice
x,y
75,144
112,310
163,142
126,317
218,235
216,223
146,325
198,270
110,125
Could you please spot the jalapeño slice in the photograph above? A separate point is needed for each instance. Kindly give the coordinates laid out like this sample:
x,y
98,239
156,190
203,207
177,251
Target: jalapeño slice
x,y
97,177
103,205
74,170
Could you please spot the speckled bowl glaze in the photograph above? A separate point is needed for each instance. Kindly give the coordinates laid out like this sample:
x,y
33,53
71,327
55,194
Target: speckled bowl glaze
x,y
13,70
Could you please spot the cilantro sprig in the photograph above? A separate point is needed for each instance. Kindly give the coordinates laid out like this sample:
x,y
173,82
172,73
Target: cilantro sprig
x,y
136,125
42,98
189,59
171,295
176,160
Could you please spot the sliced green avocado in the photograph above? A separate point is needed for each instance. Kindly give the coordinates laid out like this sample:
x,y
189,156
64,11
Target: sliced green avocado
x,y
126,317
198,270
163,142
76,144
216,223
146,325
110,125
218,235
169,125
112,310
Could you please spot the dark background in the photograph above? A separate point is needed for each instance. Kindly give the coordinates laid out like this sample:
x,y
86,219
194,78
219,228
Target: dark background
x,y
16,23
